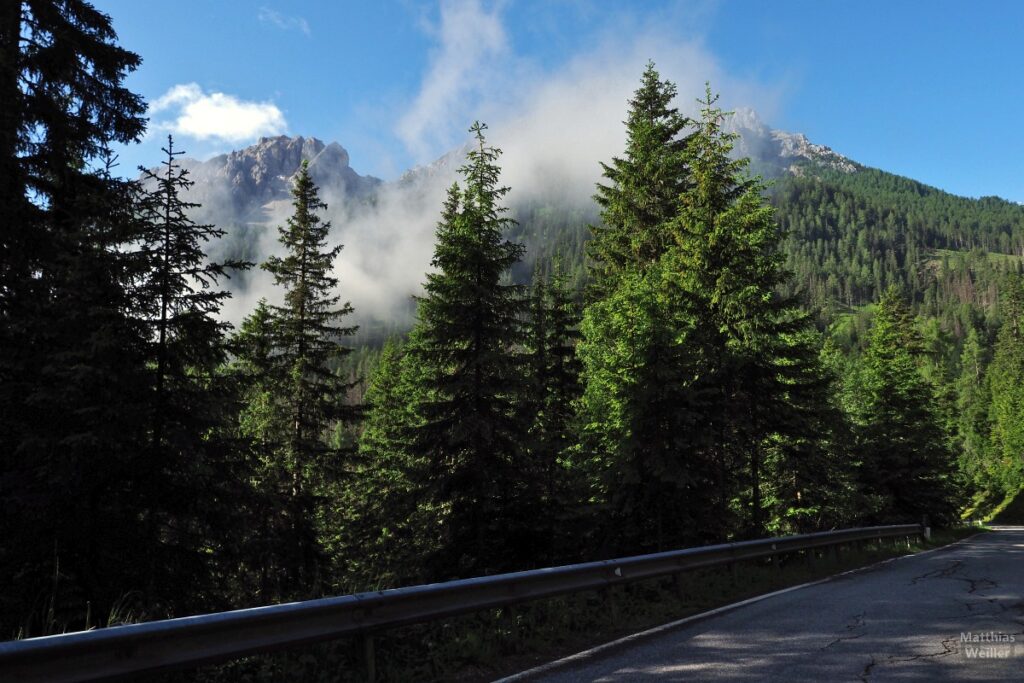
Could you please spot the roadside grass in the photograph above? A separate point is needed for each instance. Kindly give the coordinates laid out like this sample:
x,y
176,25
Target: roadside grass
x,y
499,642
1010,511
994,508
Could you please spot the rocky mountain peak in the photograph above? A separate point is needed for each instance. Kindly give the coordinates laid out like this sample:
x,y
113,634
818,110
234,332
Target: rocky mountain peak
x,y
263,173
259,168
775,152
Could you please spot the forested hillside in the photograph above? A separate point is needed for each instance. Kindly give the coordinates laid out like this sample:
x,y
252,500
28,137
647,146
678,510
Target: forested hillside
x,y
852,235
700,358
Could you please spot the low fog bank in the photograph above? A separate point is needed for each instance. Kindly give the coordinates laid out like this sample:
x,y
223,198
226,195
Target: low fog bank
x,y
555,128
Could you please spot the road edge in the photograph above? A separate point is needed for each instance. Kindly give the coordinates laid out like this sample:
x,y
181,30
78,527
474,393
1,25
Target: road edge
x,y
610,646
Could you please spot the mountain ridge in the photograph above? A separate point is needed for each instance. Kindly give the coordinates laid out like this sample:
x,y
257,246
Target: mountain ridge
x,y
851,230
247,185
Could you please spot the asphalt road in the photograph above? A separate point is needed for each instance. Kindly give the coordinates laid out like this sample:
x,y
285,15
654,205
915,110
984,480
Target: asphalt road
x,y
905,620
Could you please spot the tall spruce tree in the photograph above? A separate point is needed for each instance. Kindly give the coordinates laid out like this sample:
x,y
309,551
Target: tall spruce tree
x,y
468,430
553,388
635,409
72,366
1006,388
643,185
383,511
759,361
179,297
266,543
972,407
906,466
181,301
61,74
807,478
310,394
639,423
253,347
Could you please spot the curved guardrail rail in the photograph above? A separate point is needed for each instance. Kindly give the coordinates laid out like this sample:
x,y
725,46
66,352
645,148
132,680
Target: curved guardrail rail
x,y
209,638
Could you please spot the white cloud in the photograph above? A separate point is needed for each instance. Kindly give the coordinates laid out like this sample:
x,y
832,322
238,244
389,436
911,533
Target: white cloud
x,y
282,21
555,124
191,112
471,43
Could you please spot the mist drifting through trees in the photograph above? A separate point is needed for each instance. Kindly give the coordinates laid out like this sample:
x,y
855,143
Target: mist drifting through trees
x,y
704,358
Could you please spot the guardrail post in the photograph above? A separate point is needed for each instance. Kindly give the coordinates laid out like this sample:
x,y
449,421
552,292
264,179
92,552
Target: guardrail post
x,y
609,598
369,657
677,584
774,558
509,613
835,551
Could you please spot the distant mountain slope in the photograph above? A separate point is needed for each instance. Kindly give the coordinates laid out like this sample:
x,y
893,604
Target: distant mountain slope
x,y
850,235
776,153
243,185
852,230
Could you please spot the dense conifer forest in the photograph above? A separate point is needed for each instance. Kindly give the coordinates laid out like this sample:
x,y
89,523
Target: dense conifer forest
x,y
704,357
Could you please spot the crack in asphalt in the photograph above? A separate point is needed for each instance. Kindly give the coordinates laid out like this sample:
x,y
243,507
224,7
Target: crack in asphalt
x,y
949,646
941,573
841,639
857,621
968,605
978,584
867,669
974,586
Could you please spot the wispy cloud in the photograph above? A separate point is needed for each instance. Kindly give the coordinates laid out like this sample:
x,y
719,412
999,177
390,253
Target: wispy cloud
x,y
556,123
283,21
471,42
186,110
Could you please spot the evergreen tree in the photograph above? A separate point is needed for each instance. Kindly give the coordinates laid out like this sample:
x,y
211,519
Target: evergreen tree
x,y
72,378
553,388
639,423
178,299
759,364
972,408
1006,387
635,407
309,394
181,301
266,541
467,426
905,463
253,346
383,512
61,75
644,185
809,480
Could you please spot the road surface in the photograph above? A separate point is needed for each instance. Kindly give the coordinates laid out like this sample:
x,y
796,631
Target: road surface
x,y
953,614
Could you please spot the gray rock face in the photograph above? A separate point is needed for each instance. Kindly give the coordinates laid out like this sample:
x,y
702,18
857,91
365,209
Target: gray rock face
x,y
244,187
240,184
774,153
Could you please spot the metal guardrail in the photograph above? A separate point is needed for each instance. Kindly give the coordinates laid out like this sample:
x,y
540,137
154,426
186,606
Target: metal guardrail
x,y
210,638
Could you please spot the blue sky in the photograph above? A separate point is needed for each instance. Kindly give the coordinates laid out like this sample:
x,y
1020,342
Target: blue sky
x,y
931,91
